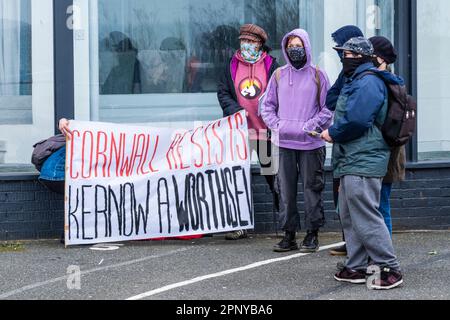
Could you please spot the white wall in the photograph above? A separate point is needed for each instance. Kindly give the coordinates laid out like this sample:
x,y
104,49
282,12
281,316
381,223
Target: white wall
x,y
20,138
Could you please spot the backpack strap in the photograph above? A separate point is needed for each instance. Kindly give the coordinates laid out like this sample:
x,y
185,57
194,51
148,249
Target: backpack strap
x,y
278,74
366,73
316,79
319,87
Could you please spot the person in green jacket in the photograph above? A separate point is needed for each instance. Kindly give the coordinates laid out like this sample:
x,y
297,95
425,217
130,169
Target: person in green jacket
x,y
360,159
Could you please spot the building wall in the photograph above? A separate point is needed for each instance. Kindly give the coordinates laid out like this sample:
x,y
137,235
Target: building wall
x,y
27,118
27,210
422,202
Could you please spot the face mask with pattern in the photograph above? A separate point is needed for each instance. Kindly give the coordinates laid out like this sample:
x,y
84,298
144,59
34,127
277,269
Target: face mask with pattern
x,y
296,54
250,52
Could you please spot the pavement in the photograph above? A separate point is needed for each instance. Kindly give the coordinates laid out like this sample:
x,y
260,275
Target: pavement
x,y
213,269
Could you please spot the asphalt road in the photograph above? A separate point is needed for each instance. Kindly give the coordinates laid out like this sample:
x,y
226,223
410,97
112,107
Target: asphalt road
x,y
212,268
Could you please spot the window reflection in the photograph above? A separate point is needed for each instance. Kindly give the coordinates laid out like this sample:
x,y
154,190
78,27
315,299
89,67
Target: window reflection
x,y
15,62
179,46
159,61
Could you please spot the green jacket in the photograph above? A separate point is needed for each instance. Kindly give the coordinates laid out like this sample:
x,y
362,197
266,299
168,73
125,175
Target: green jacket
x,y
359,147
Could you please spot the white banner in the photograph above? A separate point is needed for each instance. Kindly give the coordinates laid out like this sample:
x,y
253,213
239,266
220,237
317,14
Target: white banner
x,y
134,182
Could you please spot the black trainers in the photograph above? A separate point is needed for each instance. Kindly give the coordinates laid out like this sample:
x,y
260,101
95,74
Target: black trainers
x,y
351,276
236,235
339,251
287,244
387,279
311,242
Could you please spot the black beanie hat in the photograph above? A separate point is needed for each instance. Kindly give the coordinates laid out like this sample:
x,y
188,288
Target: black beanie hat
x,y
384,49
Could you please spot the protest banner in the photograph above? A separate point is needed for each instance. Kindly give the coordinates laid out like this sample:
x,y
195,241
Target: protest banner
x,y
128,182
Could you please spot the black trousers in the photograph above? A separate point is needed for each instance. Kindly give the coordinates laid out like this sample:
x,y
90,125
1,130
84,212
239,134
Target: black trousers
x,y
309,165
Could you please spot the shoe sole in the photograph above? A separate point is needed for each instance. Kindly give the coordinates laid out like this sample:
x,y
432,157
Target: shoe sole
x,y
395,285
358,281
285,250
338,253
309,250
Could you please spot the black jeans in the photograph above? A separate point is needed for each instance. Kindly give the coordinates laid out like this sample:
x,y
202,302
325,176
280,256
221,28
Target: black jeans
x,y
309,165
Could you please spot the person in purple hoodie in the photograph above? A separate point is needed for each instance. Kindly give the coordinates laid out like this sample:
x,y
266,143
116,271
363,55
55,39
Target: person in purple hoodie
x,y
294,109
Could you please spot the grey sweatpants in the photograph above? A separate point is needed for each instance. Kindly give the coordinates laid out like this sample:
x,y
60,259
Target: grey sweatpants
x,y
365,231
309,165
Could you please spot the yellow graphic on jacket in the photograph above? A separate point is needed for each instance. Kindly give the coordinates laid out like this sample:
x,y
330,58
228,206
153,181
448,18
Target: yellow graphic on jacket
x,y
250,89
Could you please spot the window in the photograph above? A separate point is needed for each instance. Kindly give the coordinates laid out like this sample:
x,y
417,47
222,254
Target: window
x,y
433,46
15,62
158,61
26,78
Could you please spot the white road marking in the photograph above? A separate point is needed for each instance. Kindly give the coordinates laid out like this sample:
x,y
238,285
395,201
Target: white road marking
x,y
227,272
63,278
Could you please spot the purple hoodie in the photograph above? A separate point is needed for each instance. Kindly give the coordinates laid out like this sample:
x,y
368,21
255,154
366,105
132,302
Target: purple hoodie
x,y
290,104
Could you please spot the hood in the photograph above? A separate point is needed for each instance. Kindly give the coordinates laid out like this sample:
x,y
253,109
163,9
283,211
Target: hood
x,y
251,66
238,56
386,76
302,34
390,77
344,34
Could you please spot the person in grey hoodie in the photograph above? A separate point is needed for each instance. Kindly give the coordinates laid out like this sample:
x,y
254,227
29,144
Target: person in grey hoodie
x,y
294,109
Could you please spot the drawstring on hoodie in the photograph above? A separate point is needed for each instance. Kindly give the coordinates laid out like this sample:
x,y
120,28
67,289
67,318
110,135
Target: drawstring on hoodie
x,y
251,73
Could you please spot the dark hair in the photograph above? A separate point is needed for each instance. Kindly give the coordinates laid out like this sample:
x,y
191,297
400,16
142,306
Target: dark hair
x,y
266,48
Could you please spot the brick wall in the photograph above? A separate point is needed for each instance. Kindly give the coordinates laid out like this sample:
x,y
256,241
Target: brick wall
x,y
29,211
421,202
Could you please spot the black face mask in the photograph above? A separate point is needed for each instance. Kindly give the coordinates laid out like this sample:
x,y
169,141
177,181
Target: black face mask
x,y
297,56
341,55
351,64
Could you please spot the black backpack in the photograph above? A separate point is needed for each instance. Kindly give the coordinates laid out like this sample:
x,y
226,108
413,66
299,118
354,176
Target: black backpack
x,y
401,119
